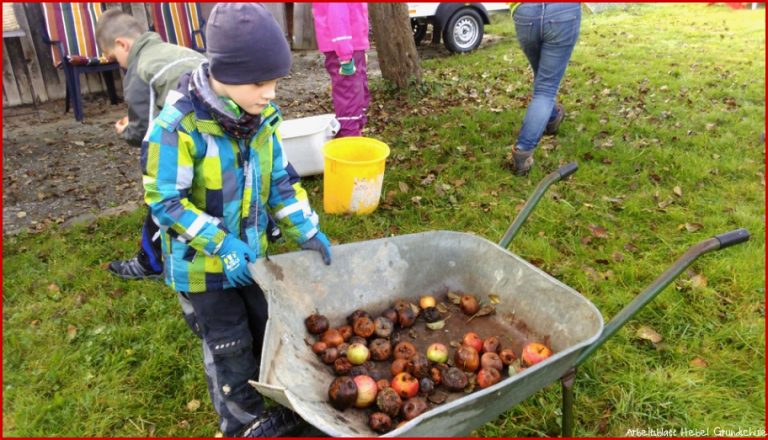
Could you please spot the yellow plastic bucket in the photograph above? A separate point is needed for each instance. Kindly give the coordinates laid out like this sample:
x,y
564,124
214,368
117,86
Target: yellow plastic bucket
x,y
353,174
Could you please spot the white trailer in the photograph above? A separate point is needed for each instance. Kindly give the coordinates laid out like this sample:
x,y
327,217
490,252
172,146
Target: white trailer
x,y
460,25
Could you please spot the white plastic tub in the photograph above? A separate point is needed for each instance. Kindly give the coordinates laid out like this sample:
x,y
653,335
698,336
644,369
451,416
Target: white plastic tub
x,y
303,141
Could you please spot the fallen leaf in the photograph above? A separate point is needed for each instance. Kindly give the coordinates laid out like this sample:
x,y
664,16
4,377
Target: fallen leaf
x,y
53,287
617,256
484,311
442,308
193,405
699,362
598,231
71,332
629,247
454,298
403,187
649,334
691,227
698,281
21,214
678,191
710,126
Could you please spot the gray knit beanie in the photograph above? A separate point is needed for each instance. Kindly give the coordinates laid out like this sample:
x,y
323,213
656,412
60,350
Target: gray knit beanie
x,y
245,44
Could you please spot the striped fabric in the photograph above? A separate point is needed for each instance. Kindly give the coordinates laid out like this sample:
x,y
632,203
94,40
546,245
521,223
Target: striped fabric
x,y
74,25
179,23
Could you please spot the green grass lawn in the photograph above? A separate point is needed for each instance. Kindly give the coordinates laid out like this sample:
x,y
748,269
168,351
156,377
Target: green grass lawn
x,y
665,111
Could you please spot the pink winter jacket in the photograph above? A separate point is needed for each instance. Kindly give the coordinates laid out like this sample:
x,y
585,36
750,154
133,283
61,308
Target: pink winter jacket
x,y
341,28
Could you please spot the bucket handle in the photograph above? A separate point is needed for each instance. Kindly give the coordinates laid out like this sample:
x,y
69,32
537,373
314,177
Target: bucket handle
x,y
333,127
561,173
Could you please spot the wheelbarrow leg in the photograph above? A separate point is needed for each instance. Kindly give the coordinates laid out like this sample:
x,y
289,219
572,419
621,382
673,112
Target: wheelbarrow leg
x,y
566,383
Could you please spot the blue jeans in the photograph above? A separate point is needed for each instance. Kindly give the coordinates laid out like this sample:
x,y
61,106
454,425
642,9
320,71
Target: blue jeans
x,y
547,33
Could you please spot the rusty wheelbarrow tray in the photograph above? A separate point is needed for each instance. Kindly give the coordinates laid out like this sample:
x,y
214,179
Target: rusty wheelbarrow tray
x,y
372,274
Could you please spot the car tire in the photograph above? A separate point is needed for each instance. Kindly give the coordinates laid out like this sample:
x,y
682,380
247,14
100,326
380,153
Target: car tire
x,y
464,31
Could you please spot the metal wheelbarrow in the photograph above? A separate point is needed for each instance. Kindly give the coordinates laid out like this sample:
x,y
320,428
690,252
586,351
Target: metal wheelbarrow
x,y
372,274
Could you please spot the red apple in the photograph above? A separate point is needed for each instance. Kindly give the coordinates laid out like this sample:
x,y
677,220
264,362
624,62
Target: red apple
x,y
405,385
332,337
491,360
466,358
366,391
437,353
491,344
469,304
404,350
358,354
535,352
398,366
487,377
342,393
473,340
507,356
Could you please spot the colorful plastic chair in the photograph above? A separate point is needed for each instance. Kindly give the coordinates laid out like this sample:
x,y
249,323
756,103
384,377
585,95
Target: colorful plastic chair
x,y
179,23
70,30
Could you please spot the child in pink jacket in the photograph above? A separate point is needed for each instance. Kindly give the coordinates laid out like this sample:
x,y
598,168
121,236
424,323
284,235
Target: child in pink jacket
x,y
342,35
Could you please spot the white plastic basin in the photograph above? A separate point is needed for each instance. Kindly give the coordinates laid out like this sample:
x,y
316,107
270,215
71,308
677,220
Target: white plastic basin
x,y
303,141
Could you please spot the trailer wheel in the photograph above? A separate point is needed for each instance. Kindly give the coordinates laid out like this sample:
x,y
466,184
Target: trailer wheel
x,y
419,30
464,31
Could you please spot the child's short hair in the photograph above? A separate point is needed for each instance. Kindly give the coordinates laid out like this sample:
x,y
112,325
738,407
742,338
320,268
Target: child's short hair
x,y
114,24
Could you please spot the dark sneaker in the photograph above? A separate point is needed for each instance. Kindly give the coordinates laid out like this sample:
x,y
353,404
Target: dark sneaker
x,y
132,270
554,125
278,421
522,161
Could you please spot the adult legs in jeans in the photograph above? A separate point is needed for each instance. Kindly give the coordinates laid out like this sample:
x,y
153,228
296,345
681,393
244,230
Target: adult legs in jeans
x,y
231,324
547,34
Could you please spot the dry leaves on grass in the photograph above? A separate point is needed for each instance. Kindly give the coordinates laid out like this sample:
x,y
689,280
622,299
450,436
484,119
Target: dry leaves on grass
x,y
598,231
649,334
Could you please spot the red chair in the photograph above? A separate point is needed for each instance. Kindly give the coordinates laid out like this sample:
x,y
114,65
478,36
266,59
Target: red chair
x,y
179,23
70,30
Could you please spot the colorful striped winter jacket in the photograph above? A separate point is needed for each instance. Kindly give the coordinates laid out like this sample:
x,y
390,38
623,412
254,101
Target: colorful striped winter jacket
x,y
196,179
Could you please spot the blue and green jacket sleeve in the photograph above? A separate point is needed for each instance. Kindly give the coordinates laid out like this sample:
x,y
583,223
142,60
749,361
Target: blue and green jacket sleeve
x,y
288,201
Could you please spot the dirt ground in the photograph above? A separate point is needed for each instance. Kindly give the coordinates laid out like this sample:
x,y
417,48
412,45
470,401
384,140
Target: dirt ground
x,y
58,171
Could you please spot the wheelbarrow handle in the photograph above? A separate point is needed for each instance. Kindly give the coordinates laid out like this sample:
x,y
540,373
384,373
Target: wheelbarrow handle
x,y
551,178
731,238
721,241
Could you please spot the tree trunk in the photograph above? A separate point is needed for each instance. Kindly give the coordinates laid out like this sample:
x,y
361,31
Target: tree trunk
x,y
398,59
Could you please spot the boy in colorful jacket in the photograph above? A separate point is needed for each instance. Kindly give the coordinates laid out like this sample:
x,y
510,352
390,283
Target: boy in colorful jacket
x,y
213,166
342,35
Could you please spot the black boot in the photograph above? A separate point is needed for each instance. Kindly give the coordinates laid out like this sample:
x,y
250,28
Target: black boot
x,y
278,421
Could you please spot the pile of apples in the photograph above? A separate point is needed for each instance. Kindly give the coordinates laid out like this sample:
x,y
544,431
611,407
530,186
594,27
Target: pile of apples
x,y
353,349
